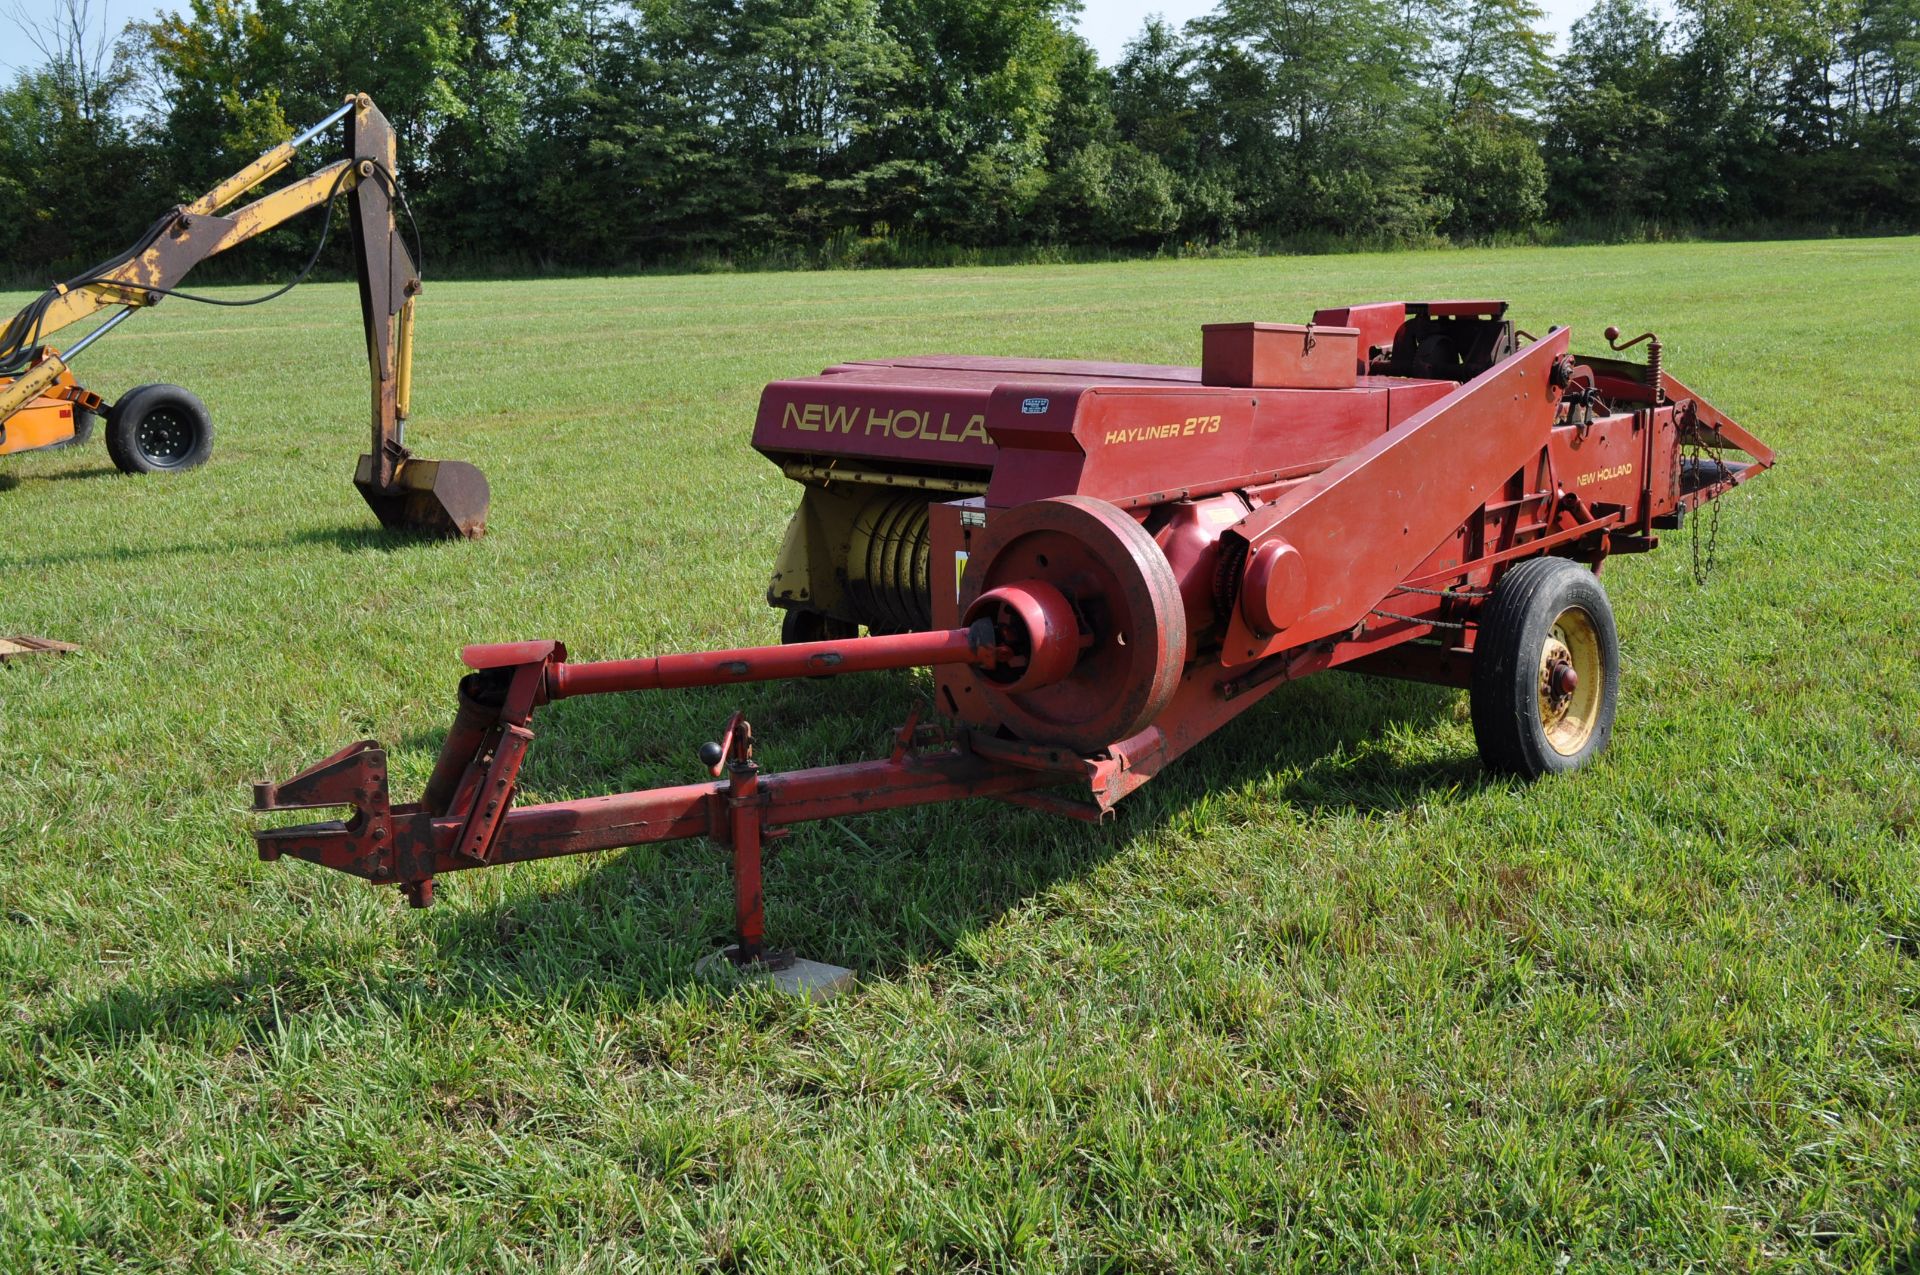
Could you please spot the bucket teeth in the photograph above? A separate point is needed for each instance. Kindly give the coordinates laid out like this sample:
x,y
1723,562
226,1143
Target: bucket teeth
x,y
443,498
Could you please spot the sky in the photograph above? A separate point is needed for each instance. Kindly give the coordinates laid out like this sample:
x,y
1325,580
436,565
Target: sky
x,y
1107,24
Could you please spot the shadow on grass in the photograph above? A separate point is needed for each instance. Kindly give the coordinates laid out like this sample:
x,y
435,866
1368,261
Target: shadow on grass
x,y
359,538
9,481
363,538
879,893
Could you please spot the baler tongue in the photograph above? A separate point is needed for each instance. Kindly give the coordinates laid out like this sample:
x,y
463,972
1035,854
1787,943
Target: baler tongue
x,y
444,498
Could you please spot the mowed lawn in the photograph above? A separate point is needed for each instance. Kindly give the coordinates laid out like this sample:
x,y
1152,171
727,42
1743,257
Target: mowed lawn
x,y
1322,998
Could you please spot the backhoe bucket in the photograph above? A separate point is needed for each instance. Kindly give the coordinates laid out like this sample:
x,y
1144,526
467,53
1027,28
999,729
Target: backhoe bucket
x,y
443,498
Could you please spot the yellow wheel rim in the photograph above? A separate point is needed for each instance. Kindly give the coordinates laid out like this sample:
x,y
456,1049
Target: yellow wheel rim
x,y
1571,682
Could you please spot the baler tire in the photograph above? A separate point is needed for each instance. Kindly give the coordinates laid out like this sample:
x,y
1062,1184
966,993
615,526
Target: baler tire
x,y
184,442
797,625
1541,605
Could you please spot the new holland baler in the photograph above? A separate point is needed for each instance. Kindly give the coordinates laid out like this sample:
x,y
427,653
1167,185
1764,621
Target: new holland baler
x,y
1104,564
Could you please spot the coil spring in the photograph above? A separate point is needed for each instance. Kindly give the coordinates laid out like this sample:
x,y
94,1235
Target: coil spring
x,y
888,578
1227,576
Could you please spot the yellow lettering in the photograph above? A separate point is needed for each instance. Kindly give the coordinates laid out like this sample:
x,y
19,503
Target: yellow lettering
x,y
1606,475
903,423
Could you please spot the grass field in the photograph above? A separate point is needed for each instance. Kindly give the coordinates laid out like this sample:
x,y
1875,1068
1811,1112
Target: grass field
x,y
1323,998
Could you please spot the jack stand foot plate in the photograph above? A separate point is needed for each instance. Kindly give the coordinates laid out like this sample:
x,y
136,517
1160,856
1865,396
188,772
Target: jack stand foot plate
x,y
792,975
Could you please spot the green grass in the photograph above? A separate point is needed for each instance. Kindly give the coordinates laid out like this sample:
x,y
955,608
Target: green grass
x,y
1323,998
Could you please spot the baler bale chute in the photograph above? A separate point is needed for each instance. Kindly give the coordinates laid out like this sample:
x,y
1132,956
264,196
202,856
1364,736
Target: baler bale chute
x,y
1104,564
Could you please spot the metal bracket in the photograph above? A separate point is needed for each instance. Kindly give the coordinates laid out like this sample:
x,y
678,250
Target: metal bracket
x,y
495,795
356,776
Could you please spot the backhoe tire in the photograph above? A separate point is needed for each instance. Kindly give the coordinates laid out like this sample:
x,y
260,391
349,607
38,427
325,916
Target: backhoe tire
x,y
158,429
1546,670
83,422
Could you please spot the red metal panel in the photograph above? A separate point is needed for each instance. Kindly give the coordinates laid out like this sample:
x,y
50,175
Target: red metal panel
x,y
1279,356
1128,441
1462,309
1605,464
1378,323
1405,396
1366,522
926,425
1140,440
1027,369
926,410
491,655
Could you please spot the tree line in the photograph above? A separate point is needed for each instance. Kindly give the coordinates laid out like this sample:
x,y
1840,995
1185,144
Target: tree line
x,y
584,134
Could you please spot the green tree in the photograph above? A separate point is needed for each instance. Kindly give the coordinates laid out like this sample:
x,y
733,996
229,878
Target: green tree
x,y
71,172
975,113
1162,109
1610,114
1324,123
1490,173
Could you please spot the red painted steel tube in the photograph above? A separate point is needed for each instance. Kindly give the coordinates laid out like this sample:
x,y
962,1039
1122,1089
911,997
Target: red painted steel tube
x,y
470,726
422,844
749,903
790,797
770,663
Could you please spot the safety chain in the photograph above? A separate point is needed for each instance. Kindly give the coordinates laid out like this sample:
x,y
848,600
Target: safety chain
x,y
1431,593
1416,619
1446,593
1704,568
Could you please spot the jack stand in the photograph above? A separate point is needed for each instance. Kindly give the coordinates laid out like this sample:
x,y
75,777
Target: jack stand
x,y
749,961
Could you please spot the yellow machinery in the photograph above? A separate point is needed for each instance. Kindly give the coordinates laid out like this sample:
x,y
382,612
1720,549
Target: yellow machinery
x,y
158,428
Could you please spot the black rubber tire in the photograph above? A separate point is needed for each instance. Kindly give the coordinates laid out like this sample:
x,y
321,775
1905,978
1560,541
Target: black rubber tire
x,y
1505,696
798,626
158,429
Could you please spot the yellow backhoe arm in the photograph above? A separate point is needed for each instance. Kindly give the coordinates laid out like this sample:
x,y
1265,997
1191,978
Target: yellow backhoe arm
x,y
131,284
193,238
181,244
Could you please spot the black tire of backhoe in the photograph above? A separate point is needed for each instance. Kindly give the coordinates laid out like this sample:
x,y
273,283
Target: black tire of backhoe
x,y
123,424
83,423
1504,697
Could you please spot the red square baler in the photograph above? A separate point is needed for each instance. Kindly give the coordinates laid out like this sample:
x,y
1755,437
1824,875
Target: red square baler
x,y
1105,563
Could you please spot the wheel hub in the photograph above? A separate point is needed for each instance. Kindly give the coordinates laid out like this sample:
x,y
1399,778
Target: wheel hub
x,y
1570,681
164,438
